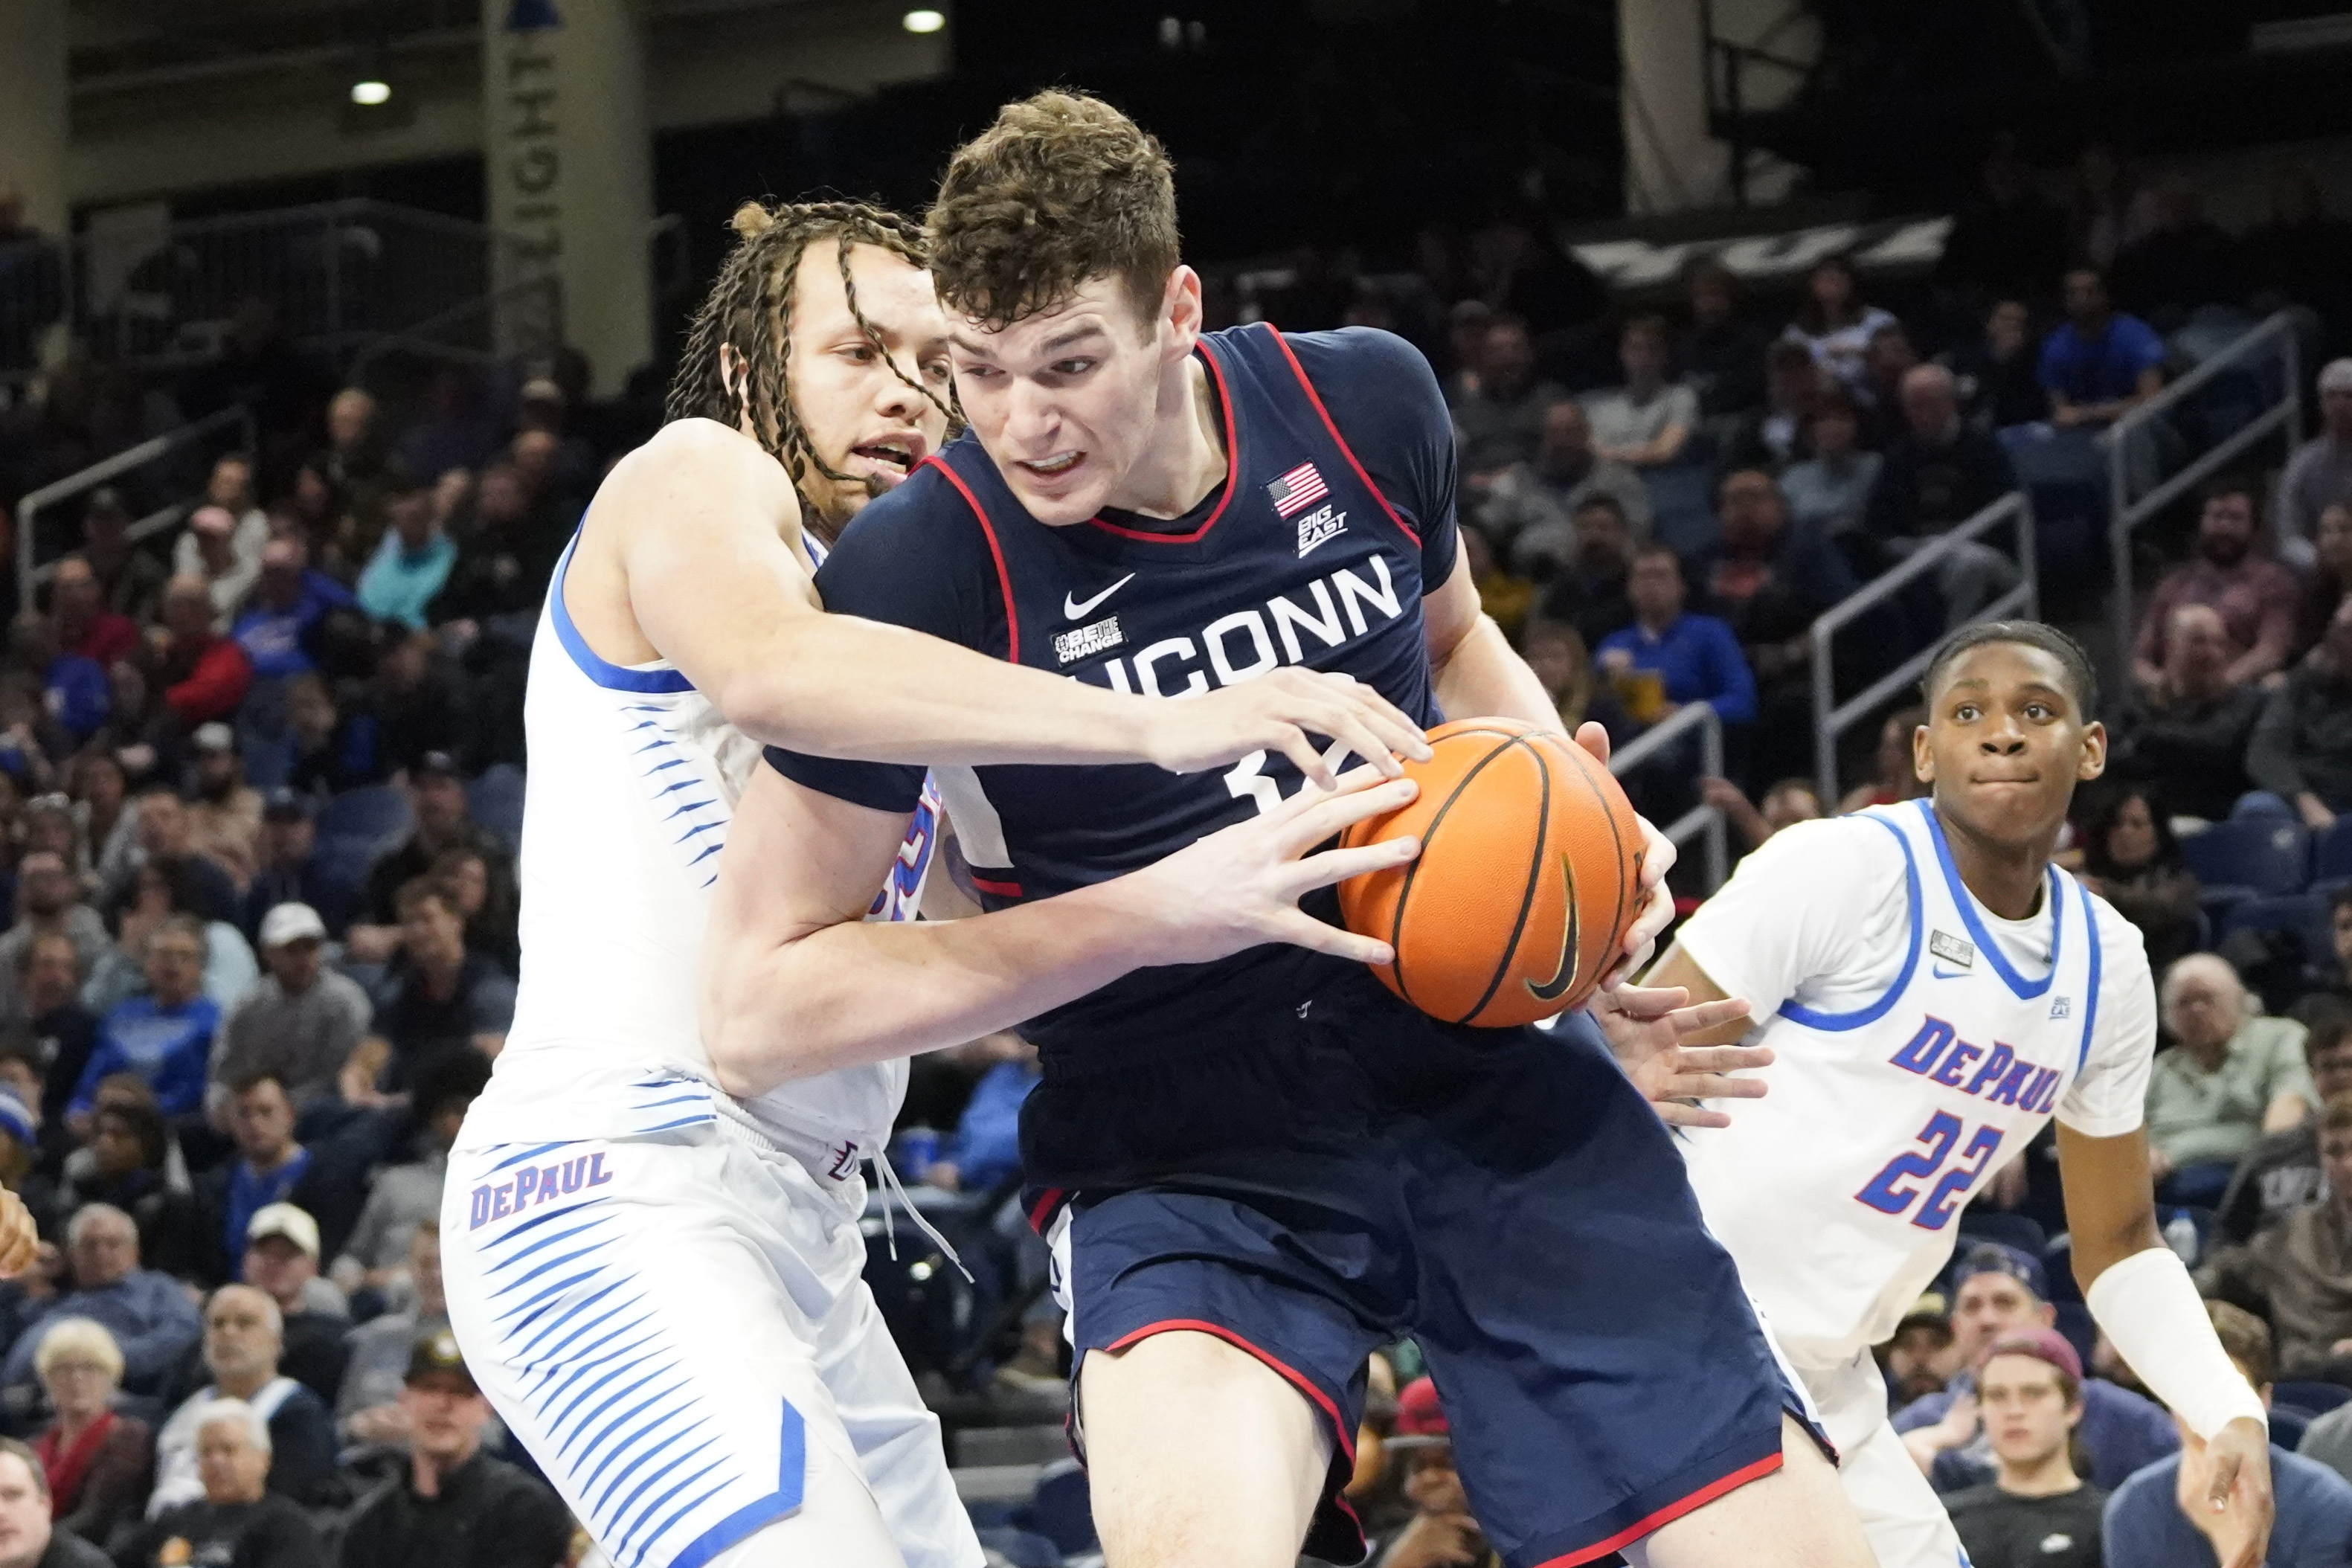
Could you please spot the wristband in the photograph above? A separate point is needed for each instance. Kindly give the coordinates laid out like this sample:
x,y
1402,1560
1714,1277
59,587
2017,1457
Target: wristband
x,y
2150,1309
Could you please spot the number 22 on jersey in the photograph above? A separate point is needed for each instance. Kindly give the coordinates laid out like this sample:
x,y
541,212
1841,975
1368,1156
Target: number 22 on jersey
x,y
1900,1182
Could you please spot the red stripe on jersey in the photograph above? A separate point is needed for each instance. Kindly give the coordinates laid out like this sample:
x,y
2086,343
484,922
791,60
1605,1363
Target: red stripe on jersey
x,y
1341,441
1004,577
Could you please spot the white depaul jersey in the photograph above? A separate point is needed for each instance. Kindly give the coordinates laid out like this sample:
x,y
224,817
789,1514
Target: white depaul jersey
x,y
634,777
1919,1042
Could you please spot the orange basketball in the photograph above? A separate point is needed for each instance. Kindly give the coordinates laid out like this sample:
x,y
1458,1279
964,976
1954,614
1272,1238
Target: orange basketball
x,y
1529,876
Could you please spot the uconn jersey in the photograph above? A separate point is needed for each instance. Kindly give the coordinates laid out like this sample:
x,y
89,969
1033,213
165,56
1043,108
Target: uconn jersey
x,y
1920,1042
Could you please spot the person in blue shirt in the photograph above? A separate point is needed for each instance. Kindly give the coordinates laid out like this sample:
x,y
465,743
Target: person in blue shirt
x,y
2148,1528
288,601
986,1145
411,563
1697,656
2101,363
164,1037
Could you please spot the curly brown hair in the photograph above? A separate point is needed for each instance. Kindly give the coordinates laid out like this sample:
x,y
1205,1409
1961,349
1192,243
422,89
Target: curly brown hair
x,y
1060,189
749,309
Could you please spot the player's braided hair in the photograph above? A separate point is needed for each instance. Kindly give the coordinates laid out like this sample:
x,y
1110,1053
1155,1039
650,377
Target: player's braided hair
x,y
749,309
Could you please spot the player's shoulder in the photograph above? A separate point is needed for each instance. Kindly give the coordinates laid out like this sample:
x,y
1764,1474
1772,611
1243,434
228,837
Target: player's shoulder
x,y
928,510
1359,354
699,444
2123,950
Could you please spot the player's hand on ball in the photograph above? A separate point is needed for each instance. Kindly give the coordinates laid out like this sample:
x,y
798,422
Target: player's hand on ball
x,y
1645,1028
1239,886
1283,710
1658,858
19,1245
2225,1490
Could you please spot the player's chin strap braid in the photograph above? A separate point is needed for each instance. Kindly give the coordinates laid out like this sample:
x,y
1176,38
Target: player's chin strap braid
x,y
2150,1309
894,1194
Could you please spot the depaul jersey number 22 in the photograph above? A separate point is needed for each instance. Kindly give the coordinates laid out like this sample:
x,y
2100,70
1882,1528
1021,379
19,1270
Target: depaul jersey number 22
x,y
1899,1185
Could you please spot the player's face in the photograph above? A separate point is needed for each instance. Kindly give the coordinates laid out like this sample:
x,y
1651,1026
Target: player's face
x,y
2026,1412
2005,743
861,417
1069,403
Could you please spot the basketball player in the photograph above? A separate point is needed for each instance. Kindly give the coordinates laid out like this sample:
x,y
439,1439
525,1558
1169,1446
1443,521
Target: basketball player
x,y
1253,1165
657,1285
1933,991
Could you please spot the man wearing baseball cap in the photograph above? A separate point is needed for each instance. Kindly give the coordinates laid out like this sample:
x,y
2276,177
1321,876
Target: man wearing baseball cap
x,y
457,1508
2319,474
2035,1512
300,1022
1441,1533
1997,1292
436,798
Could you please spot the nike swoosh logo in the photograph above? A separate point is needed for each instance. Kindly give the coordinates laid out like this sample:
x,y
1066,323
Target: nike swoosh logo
x,y
1079,609
1555,988
1944,973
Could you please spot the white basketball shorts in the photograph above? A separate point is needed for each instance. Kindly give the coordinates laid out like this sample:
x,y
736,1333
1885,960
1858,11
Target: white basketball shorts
x,y
675,1325
1900,1511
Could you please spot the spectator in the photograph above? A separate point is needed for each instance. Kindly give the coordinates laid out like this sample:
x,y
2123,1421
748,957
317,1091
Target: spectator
x,y
224,811
1895,774
2326,579
1441,1533
1499,422
1504,598
456,1506
2109,210
503,565
2230,1075
439,994
289,601
270,1173
1467,322
166,1035
356,460
1939,473
2131,859
986,1145
281,1259
1790,800
75,693
1834,323
1718,356
204,675
541,410
212,550
1530,508
436,798
131,581
1889,358
2280,1173
333,750
1686,657
1920,1360
1589,592
300,1022
2035,1512
158,892
63,1031
228,1509
283,877
1999,380
2319,474
241,1345
148,1313
1564,666
101,804
406,1199
98,1462
166,839
28,1537
232,489
2296,254
84,624
2186,735
2256,596
453,431
1766,438
134,1162
413,704
2098,365
411,564
2301,753
2182,262
2297,1274
1831,489
492,926
2149,1525
1647,422
368,1407
49,903
1997,1292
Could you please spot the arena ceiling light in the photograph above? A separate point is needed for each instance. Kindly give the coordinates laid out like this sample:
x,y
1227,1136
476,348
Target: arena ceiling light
x,y
923,21
368,91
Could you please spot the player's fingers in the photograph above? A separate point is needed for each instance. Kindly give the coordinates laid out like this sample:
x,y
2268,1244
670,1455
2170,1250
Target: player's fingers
x,y
1293,742
1349,732
1722,1059
1339,865
1392,724
1675,1113
1331,813
1345,783
1656,915
2219,1483
1708,1015
1594,739
1305,930
1659,854
1647,1002
1715,1086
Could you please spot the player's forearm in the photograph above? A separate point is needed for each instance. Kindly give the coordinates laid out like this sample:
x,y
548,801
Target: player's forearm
x,y
841,687
1483,676
865,992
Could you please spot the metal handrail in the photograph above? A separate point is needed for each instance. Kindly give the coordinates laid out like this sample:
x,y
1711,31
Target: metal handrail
x,y
2125,516
1701,818
1832,718
28,576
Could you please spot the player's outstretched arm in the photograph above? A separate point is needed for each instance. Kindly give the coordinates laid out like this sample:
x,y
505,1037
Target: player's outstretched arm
x,y
796,982
2140,1293
700,517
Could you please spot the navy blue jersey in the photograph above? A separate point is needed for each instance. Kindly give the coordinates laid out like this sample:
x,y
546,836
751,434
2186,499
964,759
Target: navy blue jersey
x,y
1337,513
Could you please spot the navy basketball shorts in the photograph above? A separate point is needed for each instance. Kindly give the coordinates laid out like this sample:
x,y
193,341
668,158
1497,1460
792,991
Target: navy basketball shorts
x,y
1326,1178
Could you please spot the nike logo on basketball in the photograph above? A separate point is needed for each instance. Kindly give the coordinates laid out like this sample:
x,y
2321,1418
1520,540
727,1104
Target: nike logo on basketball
x,y
1555,988
1079,609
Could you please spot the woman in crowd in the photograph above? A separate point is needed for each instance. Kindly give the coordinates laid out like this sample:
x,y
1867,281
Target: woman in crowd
x,y
2131,859
490,924
99,1462
1835,323
1893,778
134,1163
157,892
1557,654
2324,585
109,829
1831,486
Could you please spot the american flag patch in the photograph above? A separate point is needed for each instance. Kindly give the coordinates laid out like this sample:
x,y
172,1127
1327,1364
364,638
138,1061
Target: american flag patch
x,y
1302,487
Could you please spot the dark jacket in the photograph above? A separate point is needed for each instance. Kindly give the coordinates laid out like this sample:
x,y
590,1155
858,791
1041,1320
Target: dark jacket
x,y
1930,487
69,1550
2303,739
271,1533
487,1515
2191,753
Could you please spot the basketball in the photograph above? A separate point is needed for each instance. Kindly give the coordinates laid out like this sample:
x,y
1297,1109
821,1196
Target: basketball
x,y
1529,876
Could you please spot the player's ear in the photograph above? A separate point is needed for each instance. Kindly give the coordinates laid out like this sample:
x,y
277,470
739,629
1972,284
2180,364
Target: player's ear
x,y
2095,753
1922,760
1180,313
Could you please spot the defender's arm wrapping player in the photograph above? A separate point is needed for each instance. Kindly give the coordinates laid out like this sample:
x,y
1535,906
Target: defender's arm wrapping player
x,y
1933,991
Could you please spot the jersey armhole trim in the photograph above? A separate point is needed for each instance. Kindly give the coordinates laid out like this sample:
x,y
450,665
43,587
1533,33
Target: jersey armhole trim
x,y
996,551
602,671
2090,1008
2025,990
1839,1022
1340,441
